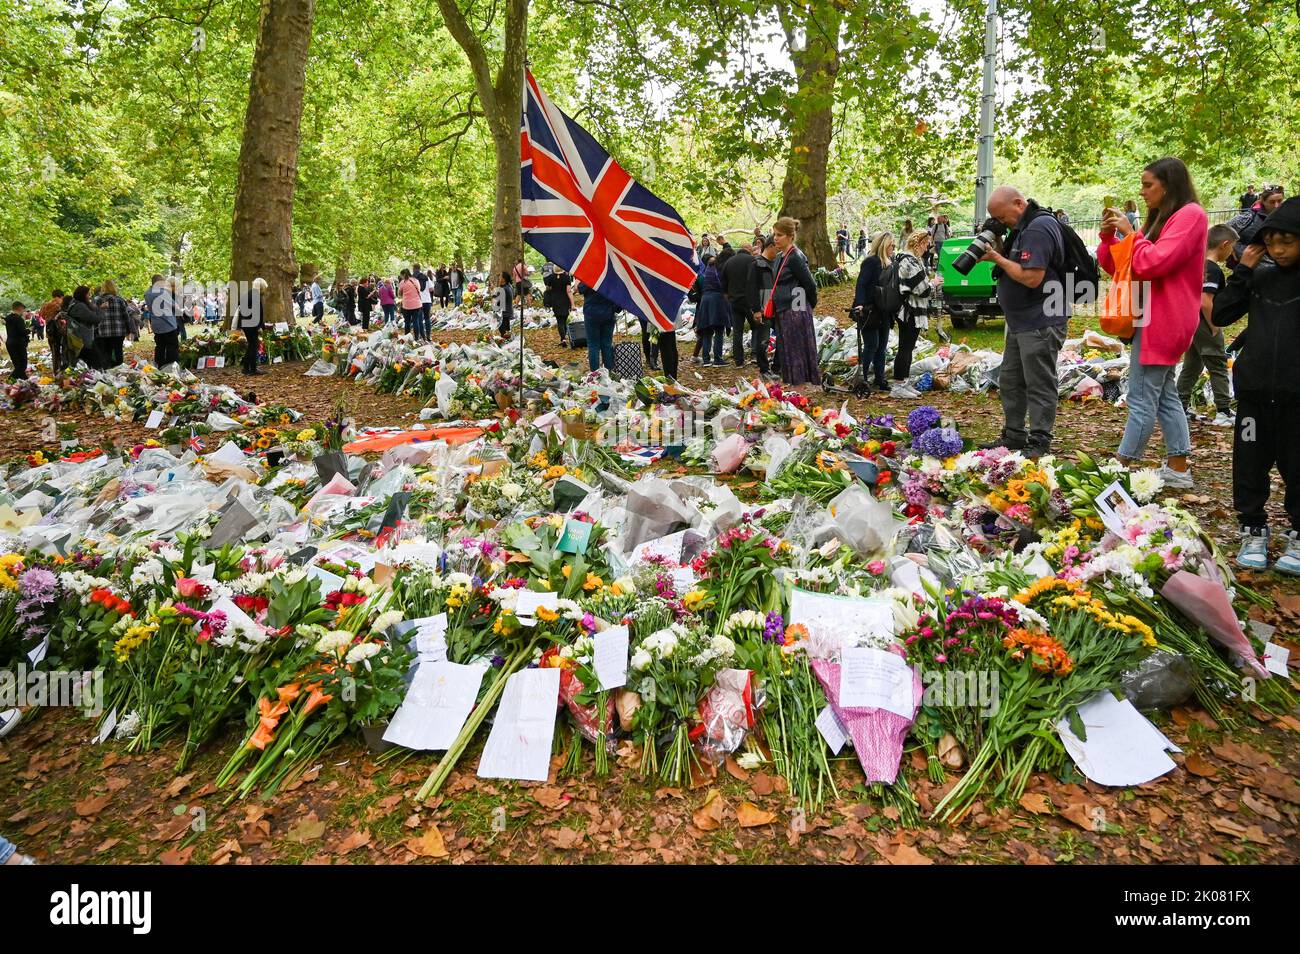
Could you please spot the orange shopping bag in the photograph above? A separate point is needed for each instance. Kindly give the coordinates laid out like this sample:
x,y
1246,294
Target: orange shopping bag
x,y
1121,306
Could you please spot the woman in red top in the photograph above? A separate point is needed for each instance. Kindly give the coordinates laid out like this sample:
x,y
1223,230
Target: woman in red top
x,y
1169,260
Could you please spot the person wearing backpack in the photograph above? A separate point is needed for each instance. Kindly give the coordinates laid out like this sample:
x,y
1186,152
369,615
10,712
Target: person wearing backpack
x,y
1030,277
873,322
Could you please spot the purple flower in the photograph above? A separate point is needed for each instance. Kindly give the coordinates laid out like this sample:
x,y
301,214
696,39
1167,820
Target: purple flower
x,y
498,662
940,442
37,585
774,628
922,419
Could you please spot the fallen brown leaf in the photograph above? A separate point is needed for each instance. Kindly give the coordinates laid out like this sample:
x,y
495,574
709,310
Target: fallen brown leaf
x,y
708,817
428,845
751,816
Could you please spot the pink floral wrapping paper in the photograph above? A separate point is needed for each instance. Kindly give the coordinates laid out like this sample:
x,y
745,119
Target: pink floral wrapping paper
x,y
877,734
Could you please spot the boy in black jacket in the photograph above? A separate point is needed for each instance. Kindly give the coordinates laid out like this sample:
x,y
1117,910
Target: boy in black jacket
x,y
1266,383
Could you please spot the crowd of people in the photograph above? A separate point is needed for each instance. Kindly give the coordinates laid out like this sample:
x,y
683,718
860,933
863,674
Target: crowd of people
x,y
759,295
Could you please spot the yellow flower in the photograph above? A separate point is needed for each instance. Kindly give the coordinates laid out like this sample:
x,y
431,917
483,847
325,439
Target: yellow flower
x,y
566,570
592,582
306,434
694,600
547,615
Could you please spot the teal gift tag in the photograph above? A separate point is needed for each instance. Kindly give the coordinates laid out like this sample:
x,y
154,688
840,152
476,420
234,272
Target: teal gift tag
x,y
576,536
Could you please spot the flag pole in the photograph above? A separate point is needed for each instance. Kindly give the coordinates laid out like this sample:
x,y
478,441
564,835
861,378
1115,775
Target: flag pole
x,y
527,66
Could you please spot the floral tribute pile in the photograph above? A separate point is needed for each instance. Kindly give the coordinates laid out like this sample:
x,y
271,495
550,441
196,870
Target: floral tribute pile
x,y
246,585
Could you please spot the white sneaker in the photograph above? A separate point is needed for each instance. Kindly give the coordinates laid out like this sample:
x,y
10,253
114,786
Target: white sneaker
x,y
1223,420
1289,562
9,719
1176,479
1253,554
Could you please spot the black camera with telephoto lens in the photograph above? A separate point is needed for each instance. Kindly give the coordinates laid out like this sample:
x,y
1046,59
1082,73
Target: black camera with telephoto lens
x,y
989,232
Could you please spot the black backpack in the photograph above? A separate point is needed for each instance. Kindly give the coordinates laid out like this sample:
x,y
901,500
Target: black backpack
x,y
887,299
1077,268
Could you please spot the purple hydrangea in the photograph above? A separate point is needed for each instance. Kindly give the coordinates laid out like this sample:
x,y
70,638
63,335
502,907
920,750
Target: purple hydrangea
x,y
940,442
922,419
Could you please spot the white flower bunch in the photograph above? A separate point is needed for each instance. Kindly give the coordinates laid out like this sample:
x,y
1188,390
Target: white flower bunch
x,y
361,652
659,645
333,641
148,573
385,620
744,621
719,650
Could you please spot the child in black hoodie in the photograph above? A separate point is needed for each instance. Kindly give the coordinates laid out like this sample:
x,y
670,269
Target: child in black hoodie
x,y
1267,384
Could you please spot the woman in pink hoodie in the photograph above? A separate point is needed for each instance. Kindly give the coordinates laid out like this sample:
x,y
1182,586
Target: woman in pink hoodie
x,y
1169,262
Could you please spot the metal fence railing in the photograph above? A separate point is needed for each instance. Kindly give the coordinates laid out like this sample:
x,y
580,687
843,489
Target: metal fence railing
x,y
1089,229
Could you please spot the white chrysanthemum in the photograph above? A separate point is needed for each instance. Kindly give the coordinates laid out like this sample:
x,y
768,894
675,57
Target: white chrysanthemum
x,y
333,641
512,491
385,620
722,647
1145,484
641,660
362,651
1032,617
293,577
147,573
458,578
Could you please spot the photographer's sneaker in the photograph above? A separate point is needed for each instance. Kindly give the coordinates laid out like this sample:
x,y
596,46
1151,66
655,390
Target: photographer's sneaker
x,y
1253,554
1223,420
9,719
1289,562
1176,479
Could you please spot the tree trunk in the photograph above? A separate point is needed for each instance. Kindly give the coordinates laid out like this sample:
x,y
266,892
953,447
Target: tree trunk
x,y
803,193
507,239
262,230
502,97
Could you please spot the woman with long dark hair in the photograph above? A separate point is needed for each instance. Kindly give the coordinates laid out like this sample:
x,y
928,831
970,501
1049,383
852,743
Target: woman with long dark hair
x,y
83,318
794,295
1168,258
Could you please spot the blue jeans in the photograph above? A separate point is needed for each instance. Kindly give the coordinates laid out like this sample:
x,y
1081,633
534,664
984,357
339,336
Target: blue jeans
x,y
458,295
389,312
600,343
7,849
871,357
1152,396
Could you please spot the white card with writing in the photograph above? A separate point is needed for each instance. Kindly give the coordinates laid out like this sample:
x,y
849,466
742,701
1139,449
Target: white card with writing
x,y
831,729
519,745
873,678
154,421
431,638
842,620
436,706
530,602
1275,658
609,657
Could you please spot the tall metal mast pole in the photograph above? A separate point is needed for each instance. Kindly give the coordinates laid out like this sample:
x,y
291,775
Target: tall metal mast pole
x,y
984,163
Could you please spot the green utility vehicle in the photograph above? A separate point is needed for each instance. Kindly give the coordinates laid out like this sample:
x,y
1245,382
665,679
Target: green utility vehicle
x,y
967,298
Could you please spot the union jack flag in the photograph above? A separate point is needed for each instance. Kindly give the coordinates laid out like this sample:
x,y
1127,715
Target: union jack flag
x,y
584,212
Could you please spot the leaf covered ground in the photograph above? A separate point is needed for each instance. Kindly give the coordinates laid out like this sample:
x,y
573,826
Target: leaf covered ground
x,y
1234,798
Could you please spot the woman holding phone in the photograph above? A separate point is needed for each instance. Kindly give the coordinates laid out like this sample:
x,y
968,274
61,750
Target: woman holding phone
x,y
1168,256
